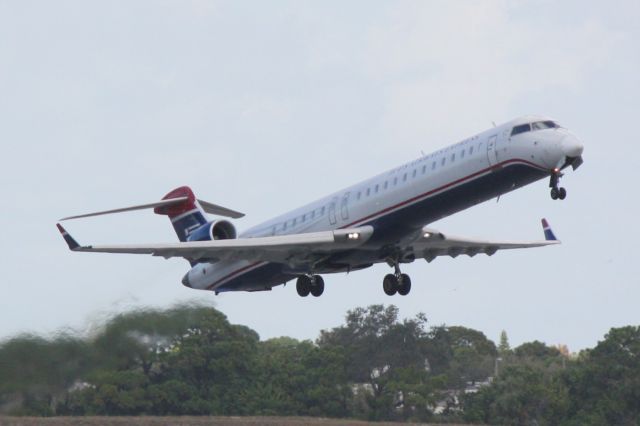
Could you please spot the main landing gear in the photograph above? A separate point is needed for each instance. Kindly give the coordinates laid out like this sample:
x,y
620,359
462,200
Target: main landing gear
x,y
313,284
557,193
396,283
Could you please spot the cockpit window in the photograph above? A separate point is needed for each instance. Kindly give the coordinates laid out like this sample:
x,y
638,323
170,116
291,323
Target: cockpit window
x,y
521,129
540,125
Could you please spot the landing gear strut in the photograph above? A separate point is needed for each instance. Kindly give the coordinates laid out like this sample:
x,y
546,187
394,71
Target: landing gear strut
x,y
557,193
313,284
396,283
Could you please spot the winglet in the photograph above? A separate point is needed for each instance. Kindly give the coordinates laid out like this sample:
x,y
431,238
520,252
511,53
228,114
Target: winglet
x,y
73,244
548,232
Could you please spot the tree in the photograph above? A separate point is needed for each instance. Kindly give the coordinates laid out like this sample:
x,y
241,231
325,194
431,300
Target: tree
x,y
462,354
215,359
521,395
536,350
38,372
605,383
382,353
503,348
135,339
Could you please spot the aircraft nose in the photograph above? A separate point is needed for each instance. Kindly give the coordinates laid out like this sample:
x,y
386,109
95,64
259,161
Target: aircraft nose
x,y
571,146
185,280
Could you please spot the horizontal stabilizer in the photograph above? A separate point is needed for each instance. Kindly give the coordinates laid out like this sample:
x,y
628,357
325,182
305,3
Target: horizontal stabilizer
x,y
162,203
206,206
219,210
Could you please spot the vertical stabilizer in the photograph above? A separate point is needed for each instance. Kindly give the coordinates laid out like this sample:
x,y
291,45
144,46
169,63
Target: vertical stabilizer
x,y
186,215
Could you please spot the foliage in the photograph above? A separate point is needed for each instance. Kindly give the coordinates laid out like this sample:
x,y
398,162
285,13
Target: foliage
x,y
504,349
190,360
539,386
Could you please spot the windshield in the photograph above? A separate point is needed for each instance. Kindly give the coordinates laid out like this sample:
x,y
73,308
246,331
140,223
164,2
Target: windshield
x,y
540,125
521,129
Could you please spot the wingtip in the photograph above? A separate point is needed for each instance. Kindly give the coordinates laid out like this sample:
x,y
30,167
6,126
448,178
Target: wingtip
x,y
548,232
73,244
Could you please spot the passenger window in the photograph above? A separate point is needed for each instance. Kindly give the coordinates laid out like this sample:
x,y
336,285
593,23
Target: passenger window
x,y
453,157
404,178
395,181
386,184
443,161
313,214
376,190
433,165
368,191
424,169
521,129
462,154
414,173
470,150
322,211
358,196
293,223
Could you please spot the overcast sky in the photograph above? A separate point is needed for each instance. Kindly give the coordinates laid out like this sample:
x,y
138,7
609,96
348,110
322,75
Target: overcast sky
x,y
265,106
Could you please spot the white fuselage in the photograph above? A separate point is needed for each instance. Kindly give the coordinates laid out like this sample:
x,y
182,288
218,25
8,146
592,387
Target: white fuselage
x,y
407,197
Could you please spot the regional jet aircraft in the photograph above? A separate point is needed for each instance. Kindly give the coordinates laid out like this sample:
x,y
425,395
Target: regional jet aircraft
x,y
380,220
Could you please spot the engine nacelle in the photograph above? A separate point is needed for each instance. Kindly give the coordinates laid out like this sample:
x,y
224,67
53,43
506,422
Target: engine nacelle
x,y
216,230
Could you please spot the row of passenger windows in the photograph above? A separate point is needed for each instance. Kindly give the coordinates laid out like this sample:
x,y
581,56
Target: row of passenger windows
x,y
320,211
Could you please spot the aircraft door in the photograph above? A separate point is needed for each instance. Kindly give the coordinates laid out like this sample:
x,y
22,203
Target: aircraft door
x,y
332,211
344,206
492,150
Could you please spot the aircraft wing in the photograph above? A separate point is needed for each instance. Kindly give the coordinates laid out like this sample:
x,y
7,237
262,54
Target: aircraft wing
x,y
433,243
281,248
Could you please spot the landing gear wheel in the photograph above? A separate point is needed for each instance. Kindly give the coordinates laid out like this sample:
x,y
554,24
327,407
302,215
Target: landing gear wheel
x,y
390,284
562,193
404,286
317,286
303,285
556,192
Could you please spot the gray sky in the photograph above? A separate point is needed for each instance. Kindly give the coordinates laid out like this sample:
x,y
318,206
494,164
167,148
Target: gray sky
x,y
264,106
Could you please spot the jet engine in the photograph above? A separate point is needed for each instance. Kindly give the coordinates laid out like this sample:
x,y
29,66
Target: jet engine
x,y
216,230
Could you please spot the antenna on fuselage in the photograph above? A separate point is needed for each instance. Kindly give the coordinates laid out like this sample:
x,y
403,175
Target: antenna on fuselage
x,y
494,123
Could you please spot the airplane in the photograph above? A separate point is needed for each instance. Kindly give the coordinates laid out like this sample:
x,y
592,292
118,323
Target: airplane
x,y
384,219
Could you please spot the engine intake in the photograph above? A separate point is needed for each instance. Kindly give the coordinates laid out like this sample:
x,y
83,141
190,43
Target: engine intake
x,y
217,230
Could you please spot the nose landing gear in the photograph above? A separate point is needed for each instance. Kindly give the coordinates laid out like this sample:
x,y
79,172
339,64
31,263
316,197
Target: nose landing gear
x,y
556,192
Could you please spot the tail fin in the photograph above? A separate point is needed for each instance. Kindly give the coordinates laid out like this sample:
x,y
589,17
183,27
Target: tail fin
x,y
186,215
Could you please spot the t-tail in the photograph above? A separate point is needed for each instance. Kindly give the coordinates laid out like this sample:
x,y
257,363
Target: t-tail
x,y
186,216
186,212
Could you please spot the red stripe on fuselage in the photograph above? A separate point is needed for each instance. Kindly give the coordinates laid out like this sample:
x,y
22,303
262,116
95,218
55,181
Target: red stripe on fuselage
x,y
234,273
443,187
